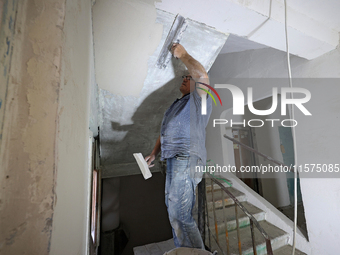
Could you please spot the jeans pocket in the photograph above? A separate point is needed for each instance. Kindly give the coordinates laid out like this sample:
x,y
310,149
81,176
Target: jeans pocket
x,y
182,157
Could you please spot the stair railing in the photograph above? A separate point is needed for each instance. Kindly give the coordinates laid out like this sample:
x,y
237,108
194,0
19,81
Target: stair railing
x,y
252,220
291,169
237,204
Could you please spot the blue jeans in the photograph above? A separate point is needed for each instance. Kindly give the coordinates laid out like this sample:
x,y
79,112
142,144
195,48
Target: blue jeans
x,y
180,185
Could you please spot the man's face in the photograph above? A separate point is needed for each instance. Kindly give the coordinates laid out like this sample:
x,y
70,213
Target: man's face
x,y
185,86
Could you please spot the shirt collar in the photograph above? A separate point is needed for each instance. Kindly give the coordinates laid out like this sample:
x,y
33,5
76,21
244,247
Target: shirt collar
x,y
183,96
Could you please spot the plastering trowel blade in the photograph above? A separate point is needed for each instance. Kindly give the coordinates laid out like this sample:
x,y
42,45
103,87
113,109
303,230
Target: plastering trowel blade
x,y
174,36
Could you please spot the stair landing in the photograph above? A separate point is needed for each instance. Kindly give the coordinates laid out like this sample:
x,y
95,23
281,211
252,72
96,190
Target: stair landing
x,y
155,248
287,250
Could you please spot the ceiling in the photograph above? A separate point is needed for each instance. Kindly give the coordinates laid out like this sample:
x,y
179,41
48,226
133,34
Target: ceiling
x,y
238,44
324,11
313,25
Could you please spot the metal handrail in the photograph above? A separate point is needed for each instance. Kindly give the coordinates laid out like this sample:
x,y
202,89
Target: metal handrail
x,y
253,221
259,153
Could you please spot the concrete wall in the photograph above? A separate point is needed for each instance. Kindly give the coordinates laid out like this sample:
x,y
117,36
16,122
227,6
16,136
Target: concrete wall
x,y
320,196
28,159
44,146
7,22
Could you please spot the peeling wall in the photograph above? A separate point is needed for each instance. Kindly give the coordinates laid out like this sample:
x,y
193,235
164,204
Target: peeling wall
x,y
7,22
28,162
44,146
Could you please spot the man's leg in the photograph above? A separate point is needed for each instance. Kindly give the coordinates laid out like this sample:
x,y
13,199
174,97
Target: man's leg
x,y
180,200
168,181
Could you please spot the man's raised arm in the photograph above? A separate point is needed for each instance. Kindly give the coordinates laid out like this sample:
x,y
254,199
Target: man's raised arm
x,y
195,68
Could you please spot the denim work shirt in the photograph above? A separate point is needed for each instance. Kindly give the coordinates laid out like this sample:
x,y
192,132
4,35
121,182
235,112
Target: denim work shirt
x,y
183,127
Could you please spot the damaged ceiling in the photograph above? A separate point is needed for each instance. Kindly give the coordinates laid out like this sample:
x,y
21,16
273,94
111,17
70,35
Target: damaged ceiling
x,y
128,36
131,124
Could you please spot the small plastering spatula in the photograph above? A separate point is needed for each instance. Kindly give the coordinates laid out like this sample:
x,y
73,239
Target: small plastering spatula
x,y
142,165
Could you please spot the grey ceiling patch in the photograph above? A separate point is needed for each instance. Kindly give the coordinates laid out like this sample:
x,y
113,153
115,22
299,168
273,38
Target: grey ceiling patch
x,y
131,124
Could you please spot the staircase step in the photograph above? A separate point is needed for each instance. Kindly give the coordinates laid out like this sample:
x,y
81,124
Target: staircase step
x,y
287,250
229,212
278,237
155,248
227,200
216,186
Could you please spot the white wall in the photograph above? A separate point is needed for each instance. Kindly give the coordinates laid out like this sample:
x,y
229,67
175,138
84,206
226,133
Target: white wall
x,y
317,142
316,138
125,34
70,214
274,186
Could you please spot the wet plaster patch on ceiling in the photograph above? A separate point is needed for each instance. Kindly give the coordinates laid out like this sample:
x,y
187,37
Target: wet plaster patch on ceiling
x,y
130,123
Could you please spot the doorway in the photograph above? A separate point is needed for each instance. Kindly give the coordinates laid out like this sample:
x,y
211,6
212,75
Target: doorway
x,y
287,150
244,157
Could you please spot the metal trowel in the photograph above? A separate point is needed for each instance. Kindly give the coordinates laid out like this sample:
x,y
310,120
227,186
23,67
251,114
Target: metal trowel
x,y
174,36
